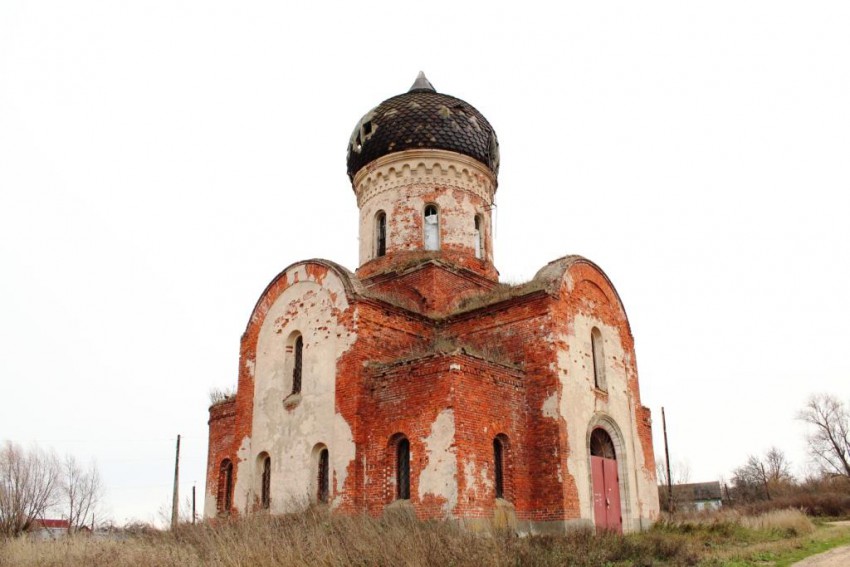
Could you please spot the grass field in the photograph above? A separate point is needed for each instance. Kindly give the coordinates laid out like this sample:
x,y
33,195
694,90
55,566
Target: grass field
x,y
318,538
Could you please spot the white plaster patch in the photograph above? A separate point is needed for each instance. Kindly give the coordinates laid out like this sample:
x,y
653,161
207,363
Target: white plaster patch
x,y
250,365
439,477
242,490
289,432
344,454
550,406
579,406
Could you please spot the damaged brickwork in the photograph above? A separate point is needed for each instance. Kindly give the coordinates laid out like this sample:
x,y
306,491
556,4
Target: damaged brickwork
x,y
423,353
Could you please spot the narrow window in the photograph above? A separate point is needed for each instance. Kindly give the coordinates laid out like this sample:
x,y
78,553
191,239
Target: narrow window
x,y
225,487
324,477
267,481
432,228
598,359
402,469
296,368
479,238
381,234
499,467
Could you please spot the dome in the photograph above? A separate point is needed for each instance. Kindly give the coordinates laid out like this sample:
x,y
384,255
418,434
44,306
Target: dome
x,y
422,118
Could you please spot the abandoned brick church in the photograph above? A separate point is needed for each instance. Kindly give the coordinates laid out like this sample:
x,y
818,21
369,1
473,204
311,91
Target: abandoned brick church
x,y
421,383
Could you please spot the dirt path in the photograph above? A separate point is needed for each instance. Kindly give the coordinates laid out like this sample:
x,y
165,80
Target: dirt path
x,y
838,557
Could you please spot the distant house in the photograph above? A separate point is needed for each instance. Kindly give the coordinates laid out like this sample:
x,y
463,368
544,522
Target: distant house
x,y
49,529
695,496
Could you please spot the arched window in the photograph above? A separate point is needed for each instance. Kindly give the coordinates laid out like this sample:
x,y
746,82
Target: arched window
x,y
265,490
298,353
432,228
479,237
225,487
499,469
601,444
380,234
598,359
402,469
324,480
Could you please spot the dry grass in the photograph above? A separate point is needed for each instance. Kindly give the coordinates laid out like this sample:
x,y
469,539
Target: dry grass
x,y
318,538
790,522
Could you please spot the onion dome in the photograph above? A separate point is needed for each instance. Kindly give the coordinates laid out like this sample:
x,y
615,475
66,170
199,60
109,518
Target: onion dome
x,y
422,118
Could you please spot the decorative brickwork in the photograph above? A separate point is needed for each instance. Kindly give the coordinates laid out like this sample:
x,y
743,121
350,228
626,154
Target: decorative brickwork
x,y
413,368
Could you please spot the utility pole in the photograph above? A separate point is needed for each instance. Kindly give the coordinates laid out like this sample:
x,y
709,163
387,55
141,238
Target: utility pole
x,y
175,502
194,515
667,457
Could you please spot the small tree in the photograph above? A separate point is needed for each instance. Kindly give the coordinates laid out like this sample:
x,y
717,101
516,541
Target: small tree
x,y
28,487
829,439
760,475
81,492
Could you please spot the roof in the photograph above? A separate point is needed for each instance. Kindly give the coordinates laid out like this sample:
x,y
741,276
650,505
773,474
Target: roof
x,y
697,491
422,118
63,524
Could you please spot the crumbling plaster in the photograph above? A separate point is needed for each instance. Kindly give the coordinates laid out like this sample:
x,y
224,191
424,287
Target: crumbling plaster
x,y
439,477
288,426
402,184
584,407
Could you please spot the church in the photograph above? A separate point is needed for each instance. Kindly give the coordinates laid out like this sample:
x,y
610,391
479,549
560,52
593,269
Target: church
x,y
421,384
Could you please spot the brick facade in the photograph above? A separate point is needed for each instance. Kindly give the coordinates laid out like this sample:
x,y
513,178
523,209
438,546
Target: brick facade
x,y
428,346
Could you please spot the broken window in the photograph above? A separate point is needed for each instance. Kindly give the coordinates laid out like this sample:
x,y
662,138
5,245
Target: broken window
x,y
479,238
403,469
225,487
296,368
601,444
598,359
432,228
324,483
381,234
265,492
499,466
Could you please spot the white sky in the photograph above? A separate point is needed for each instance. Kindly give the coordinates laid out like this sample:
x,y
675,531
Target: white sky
x,y
162,161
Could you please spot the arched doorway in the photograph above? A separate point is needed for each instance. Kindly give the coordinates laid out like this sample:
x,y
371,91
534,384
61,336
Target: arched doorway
x,y
607,512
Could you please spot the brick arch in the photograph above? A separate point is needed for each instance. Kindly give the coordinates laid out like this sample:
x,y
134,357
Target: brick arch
x,y
317,271
564,275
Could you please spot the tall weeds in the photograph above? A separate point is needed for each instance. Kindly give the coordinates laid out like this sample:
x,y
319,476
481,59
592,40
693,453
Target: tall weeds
x,y
316,537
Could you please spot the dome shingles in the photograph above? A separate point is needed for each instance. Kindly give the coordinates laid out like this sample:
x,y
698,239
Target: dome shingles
x,y
423,118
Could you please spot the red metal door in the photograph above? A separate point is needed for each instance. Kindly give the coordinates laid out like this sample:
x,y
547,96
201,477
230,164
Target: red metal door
x,y
606,494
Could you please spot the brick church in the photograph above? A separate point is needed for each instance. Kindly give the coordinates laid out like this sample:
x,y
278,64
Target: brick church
x,y
419,382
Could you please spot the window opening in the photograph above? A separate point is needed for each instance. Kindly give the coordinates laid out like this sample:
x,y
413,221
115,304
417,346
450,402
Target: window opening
x,y
601,445
324,477
479,238
381,236
267,481
432,228
296,369
598,359
499,467
403,469
225,486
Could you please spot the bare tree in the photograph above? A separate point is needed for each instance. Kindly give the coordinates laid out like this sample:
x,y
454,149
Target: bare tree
x,y
760,475
829,440
28,486
81,492
680,471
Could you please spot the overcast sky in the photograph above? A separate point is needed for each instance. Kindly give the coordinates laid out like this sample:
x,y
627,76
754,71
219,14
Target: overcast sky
x,y
162,161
